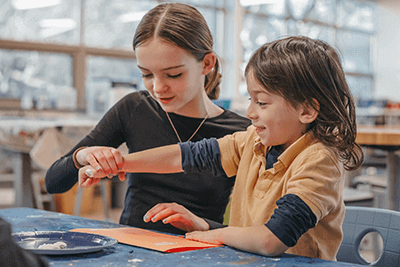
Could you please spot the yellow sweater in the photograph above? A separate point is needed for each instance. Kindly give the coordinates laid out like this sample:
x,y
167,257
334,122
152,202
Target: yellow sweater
x,y
307,169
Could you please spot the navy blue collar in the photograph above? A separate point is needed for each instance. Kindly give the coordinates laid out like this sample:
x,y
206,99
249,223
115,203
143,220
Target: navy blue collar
x,y
272,156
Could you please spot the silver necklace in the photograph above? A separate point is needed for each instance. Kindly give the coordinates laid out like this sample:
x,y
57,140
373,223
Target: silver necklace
x,y
176,132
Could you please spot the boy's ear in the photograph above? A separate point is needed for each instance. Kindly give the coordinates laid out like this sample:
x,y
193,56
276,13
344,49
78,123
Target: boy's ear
x,y
309,112
209,61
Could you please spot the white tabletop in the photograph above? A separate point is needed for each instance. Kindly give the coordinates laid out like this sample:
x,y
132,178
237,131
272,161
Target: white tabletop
x,y
22,133
16,125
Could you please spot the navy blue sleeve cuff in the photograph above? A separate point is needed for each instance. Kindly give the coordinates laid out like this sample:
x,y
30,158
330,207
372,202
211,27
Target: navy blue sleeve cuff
x,y
202,155
213,224
291,219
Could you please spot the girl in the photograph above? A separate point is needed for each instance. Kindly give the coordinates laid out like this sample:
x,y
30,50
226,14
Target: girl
x,y
173,46
288,165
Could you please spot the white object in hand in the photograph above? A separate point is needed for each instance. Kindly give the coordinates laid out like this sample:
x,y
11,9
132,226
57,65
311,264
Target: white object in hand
x,y
57,245
89,173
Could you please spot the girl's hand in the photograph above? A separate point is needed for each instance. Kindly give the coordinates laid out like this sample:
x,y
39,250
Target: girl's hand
x,y
176,215
107,159
211,237
88,176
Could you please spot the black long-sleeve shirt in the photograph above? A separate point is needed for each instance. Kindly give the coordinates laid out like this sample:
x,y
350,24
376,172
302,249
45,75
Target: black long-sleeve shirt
x,y
140,121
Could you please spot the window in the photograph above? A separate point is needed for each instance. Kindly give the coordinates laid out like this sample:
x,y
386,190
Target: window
x,y
58,48
54,48
48,21
34,78
111,24
348,25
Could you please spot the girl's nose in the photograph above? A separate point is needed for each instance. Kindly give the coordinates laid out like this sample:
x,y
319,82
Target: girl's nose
x,y
159,86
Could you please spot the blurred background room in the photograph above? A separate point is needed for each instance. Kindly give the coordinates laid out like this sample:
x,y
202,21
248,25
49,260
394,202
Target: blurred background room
x,y
64,63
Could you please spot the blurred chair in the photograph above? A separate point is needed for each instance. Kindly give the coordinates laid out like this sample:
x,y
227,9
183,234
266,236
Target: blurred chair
x,y
358,222
7,192
53,144
377,184
40,194
374,176
104,196
357,197
371,177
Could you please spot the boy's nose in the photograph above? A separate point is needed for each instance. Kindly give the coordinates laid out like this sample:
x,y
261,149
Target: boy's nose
x,y
250,113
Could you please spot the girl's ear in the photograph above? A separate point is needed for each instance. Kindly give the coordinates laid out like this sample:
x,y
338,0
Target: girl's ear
x,y
309,112
208,63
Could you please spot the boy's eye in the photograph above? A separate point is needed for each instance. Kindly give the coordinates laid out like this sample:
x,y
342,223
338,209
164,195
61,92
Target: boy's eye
x,y
260,103
174,76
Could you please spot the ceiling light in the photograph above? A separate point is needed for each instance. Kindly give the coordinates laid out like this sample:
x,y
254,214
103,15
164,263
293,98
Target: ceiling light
x,y
58,23
258,2
53,27
131,17
30,4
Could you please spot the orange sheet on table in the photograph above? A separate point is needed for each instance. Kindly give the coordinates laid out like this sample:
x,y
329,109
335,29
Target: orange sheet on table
x,y
148,239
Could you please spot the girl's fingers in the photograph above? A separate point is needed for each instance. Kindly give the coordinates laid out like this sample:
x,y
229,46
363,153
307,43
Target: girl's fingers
x,y
104,164
158,216
85,183
86,176
89,182
93,162
119,161
171,219
153,214
95,181
121,176
111,160
105,159
89,173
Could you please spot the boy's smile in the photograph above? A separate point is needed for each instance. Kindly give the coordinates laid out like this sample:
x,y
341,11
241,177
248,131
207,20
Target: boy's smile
x,y
259,129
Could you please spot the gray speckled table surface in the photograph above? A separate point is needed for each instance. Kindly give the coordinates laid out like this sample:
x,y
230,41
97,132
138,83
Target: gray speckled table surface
x,y
28,219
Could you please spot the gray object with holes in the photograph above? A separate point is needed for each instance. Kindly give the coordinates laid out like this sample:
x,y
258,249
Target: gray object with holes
x,y
358,222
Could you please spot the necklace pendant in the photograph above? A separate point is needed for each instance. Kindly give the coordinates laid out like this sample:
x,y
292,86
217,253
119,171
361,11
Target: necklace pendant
x,y
195,132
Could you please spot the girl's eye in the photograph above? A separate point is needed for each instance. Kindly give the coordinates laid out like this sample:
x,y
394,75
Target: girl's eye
x,y
146,75
175,76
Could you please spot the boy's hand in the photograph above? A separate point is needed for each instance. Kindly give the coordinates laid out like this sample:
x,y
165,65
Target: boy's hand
x,y
176,215
211,237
